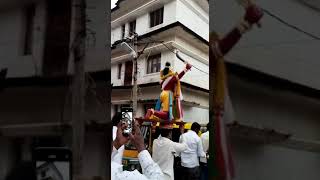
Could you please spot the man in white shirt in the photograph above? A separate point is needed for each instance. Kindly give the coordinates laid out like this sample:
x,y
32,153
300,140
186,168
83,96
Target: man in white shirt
x,y
203,160
190,157
151,171
163,151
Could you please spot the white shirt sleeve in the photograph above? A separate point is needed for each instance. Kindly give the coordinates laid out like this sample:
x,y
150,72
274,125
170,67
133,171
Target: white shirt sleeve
x,y
117,173
205,145
114,153
118,156
201,153
181,140
151,171
149,168
205,141
179,147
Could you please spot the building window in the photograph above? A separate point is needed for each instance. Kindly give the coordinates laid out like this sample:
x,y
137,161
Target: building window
x,y
29,24
123,31
119,70
154,64
156,17
132,27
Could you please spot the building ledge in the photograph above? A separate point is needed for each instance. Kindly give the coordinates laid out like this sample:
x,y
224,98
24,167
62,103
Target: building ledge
x,y
302,144
48,129
157,84
265,79
256,135
174,25
271,136
153,101
52,82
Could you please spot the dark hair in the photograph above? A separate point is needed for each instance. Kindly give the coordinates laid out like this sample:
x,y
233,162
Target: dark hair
x,y
195,126
208,125
166,69
116,118
25,170
165,132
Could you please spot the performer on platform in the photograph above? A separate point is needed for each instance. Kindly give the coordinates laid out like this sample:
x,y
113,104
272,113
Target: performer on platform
x,y
168,107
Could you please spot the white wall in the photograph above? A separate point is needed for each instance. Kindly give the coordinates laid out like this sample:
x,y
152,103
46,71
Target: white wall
x,y
97,58
280,110
115,34
194,77
265,162
194,17
12,22
12,31
265,107
188,13
173,11
114,74
142,21
275,48
283,52
143,77
195,114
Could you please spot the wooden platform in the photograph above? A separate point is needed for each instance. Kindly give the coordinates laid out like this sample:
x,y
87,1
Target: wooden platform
x,y
141,120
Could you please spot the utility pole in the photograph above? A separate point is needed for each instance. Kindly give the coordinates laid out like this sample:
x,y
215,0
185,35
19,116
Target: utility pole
x,y
78,86
135,76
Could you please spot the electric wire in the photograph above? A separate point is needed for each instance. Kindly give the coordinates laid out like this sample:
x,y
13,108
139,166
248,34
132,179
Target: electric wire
x,y
289,25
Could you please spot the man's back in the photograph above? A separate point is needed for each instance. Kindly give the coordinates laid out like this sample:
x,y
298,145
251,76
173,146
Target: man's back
x,y
205,145
190,157
163,154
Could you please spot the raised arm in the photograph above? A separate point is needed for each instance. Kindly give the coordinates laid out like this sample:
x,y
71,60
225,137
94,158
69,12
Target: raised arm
x,y
182,73
222,46
179,147
150,169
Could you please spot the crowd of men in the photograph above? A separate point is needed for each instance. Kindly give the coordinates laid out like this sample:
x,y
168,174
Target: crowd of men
x,y
191,148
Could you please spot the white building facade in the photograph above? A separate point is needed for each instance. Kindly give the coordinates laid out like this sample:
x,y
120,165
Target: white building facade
x,y
180,25
285,99
35,97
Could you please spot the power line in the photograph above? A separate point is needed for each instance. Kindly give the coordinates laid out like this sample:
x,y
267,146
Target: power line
x,y
289,25
171,50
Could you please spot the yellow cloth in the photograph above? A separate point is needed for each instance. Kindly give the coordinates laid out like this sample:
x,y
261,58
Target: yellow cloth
x,y
177,90
219,73
153,117
164,98
162,77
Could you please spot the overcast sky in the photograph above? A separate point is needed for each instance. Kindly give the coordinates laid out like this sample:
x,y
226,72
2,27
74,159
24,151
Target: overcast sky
x,y
113,2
